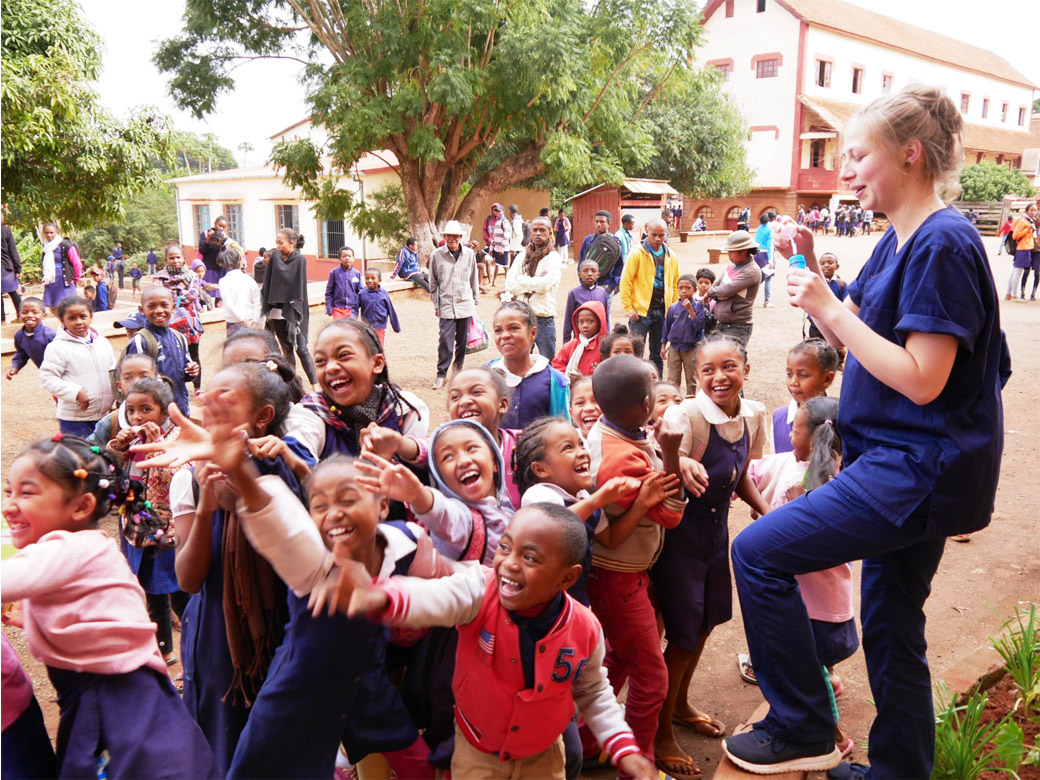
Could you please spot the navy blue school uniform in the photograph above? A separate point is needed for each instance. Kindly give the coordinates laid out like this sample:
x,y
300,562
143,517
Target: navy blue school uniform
x,y
142,722
691,577
208,671
341,292
544,391
579,296
327,684
101,300
681,331
31,346
913,475
173,358
376,309
783,422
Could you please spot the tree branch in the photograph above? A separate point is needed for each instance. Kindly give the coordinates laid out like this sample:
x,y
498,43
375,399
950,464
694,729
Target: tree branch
x,y
521,166
610,80
653,94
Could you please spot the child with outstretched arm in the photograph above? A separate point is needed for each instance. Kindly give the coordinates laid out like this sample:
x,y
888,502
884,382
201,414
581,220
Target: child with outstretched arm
x,y
509,716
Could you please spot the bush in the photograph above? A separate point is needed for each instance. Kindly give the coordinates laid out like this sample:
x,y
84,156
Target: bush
x,y
988,181
31,253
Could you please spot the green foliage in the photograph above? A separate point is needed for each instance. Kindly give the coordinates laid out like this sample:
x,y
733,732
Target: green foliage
x,y
195,153
63,157
965,747
988,181
30,252
466,91
697,138
149,222
384,217
1019,646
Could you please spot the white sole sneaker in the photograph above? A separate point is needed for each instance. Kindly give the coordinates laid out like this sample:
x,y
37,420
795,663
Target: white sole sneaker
x,y
807,764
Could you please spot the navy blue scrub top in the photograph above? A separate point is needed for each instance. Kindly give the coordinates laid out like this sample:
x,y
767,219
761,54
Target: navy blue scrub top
x,y
897,453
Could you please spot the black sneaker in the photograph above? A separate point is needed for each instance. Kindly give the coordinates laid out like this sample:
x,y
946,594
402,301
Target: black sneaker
x,y
849,770
759,752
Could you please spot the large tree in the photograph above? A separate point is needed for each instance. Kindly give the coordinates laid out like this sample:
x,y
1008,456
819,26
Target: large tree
x,y
463,92
63,156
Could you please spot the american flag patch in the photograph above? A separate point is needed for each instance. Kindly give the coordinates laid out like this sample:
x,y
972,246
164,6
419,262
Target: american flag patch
x,y
487,641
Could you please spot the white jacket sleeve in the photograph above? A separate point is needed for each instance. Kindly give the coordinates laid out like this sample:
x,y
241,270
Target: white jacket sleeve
x,y
596,701
307,428
450,523
448,601
284,533
53,374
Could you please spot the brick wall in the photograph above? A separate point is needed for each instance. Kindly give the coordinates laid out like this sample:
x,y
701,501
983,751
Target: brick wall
x,y
783,201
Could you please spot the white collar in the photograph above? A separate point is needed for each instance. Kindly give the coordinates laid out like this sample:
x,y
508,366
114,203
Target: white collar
x,y
714,415
512,380
792,411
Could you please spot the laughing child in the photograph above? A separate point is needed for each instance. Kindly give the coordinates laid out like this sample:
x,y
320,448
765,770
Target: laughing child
x,y
32,338
510,717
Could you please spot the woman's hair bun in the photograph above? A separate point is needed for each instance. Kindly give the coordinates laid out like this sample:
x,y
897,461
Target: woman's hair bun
x,y
299,241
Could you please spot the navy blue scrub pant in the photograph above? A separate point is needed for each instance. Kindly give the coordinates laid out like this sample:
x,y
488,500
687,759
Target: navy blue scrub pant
x,y
829,526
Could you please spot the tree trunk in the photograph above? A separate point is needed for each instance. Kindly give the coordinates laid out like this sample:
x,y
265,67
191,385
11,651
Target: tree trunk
x,y
517,168
420,213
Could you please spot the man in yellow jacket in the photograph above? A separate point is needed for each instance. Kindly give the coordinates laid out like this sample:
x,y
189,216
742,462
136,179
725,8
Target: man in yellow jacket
x,y
649,285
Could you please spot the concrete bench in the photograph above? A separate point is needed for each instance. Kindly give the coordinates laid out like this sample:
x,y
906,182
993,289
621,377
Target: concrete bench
x,y
715,254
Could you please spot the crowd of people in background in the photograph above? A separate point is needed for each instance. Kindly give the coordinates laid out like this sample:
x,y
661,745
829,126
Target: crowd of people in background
x,y
353,585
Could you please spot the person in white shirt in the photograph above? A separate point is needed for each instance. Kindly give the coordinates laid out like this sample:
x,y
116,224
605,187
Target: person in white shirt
x,y
516,238
239,291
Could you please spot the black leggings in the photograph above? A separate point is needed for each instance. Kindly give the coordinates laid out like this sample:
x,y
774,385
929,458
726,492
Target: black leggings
x,y
193,350
280,328
16,299
159,611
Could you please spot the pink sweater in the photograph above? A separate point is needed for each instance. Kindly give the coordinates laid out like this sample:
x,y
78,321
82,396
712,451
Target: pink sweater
x,y
827,594
17,688
84,610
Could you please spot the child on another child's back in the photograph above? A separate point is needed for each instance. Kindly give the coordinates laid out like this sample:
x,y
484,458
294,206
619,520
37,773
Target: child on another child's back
x,y
586,292
811,366
85,618
75,369
375,306
30,340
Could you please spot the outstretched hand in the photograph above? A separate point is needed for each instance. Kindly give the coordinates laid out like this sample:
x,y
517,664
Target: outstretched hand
x,y
194,443
656,488
384,442
348,589
392,480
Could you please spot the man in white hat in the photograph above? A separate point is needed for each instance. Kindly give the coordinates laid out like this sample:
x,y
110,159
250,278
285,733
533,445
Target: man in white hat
x,y
737,287
455,292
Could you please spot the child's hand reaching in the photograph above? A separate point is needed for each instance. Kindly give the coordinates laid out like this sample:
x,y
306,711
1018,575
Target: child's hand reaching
x,y
194,443
380,441
266,447
393,480
349,589
616,488
637,766
694,476
668,435
656,488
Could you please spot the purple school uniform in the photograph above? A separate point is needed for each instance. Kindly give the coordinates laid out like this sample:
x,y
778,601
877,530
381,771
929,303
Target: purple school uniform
x,y
579,296
541,393
204,646
691,578
681,332
341,292
782,430
31,346
57,291
376,309
328,684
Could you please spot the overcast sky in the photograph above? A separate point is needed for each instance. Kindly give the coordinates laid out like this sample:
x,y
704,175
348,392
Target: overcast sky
x,y
269,98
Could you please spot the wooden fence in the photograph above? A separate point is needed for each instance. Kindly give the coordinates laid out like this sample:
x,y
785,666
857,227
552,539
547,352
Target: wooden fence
x,y
993,214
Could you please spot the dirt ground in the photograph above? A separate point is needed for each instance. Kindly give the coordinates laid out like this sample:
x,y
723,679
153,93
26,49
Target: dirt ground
x,y
976,586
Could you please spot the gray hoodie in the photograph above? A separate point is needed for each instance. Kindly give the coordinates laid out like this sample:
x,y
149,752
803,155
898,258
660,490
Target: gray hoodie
x,y
450,520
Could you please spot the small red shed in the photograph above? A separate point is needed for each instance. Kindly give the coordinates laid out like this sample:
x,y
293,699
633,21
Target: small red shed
x,y
642,198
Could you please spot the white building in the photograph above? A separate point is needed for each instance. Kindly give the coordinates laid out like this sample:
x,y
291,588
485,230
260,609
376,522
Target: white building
x,y
257,204
798,69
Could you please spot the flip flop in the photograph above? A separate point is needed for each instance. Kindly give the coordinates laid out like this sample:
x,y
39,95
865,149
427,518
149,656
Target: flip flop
x,y
846,747
745,669
703,724
662,762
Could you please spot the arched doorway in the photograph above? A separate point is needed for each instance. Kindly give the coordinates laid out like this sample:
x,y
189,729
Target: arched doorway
x,y
731,218
705,213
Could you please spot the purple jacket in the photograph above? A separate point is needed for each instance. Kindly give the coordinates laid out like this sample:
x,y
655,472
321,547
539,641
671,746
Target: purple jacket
x,y
31,346
342,290
376,309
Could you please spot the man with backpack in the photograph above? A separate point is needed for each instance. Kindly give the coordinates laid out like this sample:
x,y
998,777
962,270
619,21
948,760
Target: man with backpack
x,y
649,286
605,248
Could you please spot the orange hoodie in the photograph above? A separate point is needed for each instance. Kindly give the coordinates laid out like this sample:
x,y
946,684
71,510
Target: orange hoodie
x,y
590,350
